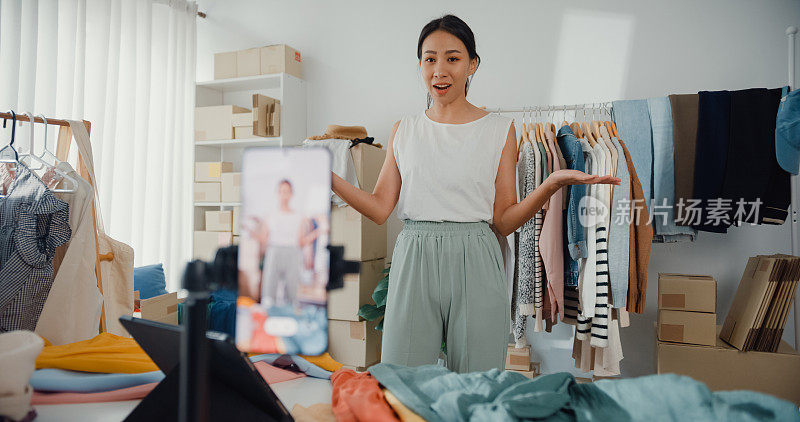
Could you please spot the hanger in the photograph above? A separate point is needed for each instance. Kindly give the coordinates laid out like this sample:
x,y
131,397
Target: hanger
x,y
538,125
46,152
33,157
564,123
31,154
550,125
595,124
576,127
523,136
11,143
587,130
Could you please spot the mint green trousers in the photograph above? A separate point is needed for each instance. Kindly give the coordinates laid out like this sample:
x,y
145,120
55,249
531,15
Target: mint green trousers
x,y
447,282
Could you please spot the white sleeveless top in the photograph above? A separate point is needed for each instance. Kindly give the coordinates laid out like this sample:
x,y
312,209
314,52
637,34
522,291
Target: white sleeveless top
x,y
284,228
448,170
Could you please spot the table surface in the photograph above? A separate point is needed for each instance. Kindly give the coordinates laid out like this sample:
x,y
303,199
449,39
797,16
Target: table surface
x,y
304,391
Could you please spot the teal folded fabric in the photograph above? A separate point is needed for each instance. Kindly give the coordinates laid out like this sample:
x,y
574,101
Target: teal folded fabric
x,y
436,394
672,397
61,380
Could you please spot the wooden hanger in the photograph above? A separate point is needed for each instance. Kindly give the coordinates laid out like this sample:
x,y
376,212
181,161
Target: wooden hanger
x,y
576,129
587,131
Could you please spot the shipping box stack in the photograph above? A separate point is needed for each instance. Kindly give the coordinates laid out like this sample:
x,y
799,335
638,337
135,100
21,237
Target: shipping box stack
x,y
518,359
352,341
278,58
687,308
219,226
751,324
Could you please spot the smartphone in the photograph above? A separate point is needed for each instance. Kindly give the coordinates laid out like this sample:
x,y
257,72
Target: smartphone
x,y
283,251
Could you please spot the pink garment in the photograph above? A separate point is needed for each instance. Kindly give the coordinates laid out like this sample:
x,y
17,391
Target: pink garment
x,y
130,393
270,374
551,243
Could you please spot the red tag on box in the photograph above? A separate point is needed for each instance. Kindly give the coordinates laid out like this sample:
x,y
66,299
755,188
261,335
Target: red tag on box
x,y
297,55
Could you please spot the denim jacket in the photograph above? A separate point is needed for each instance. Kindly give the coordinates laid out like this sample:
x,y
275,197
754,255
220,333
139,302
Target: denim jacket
x,y
574,231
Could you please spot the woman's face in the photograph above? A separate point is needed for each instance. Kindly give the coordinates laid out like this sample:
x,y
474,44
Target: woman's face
x,y
284,193
445,63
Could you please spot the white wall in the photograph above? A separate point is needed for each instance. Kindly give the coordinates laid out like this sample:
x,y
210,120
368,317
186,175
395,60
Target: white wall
x,y
359,58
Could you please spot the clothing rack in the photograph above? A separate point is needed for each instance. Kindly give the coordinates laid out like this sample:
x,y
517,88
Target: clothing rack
x,y
791,33
62,152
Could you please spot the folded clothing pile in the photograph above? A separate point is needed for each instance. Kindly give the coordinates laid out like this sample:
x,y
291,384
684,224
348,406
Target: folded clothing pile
x,y
393,392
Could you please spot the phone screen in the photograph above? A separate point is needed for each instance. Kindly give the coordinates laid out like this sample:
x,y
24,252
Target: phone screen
x,y
283,255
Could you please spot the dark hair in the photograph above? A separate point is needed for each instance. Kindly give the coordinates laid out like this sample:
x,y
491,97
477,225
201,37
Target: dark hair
x,y
456,27
286,181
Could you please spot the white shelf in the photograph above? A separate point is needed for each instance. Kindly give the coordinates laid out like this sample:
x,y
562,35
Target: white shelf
x,y
217,204
274,141
249,83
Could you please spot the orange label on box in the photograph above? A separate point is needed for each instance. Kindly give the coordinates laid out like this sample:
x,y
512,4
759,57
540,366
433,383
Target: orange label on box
x,y
297,56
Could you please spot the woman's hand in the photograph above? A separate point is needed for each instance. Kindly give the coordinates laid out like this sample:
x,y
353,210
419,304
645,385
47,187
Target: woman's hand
x,y
575,177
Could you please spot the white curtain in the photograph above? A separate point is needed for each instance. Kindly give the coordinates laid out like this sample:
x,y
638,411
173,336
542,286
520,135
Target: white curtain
x,y
127,66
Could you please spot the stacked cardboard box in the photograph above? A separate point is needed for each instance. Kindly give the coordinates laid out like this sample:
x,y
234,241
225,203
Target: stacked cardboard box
x,y
162,308
213,123
219,226
352,341
266,116
758,314
519,360
687,308
271,59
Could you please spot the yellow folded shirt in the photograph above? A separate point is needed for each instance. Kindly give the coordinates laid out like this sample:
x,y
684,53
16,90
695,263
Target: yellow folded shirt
x,y
105,353
324,361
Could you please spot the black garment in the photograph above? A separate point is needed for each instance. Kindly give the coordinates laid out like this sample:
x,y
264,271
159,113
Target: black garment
x,y
713,134
752,172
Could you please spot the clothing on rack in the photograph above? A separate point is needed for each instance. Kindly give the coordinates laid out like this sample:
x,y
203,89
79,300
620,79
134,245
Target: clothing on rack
x,y
752,171
633,125
33,223
684,120
641,240
663,211
71,312
551,243
619,231
713,133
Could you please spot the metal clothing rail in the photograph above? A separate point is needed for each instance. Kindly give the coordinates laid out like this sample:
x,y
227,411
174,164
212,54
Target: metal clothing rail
x,y
551,108
795,227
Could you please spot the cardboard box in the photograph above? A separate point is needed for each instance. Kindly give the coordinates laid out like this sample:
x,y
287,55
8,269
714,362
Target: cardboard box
x,y
343,303
266,116
162,308
206,243
206,192
722,367
368,161
683,292
534,372
243,132
215,122
248,62
354,343
225,65
363,240
231,187
687,327
758,314
518,359
219,221
205,171
242,119
236,223
281,58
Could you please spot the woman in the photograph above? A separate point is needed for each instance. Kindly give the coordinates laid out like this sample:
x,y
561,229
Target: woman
x,y
284,233
451,173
